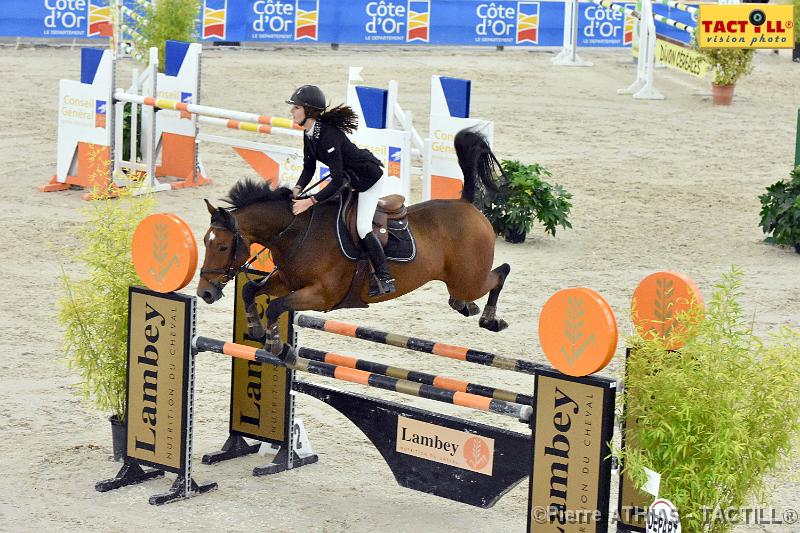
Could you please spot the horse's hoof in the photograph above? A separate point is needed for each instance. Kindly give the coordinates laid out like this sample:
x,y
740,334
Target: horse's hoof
x,y
464,308
471,309
256,331
288,356
494,324
274,345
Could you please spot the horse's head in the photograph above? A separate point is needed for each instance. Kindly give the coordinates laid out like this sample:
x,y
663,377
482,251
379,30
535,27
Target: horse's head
x,y
226,251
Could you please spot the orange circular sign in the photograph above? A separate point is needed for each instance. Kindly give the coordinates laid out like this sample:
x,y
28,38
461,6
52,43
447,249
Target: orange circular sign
x,y
164,252
578,331
658,301
263,262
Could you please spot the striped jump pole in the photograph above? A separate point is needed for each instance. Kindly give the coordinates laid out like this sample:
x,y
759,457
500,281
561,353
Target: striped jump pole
x,y
618,7
674,23
196,109
249,126
418,345
678,5
439,381
370,379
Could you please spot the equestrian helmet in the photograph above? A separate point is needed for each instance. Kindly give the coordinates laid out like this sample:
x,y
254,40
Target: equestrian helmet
x,y
308,96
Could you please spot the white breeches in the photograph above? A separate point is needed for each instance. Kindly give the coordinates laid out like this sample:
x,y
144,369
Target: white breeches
x,y
367,202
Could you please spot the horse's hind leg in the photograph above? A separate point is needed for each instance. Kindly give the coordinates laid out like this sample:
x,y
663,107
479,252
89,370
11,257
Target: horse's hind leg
x,y
496,279
465,308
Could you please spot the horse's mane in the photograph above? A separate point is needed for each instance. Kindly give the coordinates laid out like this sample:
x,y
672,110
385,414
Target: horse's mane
x,y
248,192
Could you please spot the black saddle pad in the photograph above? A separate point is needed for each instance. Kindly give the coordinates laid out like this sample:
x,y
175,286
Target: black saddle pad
x,y
401,247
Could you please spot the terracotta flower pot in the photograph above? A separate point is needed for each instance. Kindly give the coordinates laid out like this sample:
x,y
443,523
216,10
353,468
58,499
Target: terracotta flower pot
x,y
722,94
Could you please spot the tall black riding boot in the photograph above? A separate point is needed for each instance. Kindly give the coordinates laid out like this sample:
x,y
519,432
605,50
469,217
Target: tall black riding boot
x,y
378,259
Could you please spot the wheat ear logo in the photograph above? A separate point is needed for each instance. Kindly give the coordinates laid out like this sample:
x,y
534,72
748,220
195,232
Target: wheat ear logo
x,y
664,305
162,263
573,331
476,453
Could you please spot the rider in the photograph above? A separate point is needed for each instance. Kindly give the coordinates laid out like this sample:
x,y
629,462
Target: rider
x,y
325,140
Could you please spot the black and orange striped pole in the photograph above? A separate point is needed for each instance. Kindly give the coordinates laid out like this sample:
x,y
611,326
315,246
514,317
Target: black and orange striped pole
x,y
436,380
370,379
418,345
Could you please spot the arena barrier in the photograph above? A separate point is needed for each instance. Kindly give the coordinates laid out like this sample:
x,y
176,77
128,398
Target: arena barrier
x,y
567,459
389,127
649,47
169,141
89,130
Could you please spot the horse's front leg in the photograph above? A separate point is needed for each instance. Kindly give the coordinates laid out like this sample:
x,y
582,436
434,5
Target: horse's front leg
x,y
308,298
272,286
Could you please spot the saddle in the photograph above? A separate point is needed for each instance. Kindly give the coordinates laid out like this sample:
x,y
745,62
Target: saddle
x,y
390,224
390,215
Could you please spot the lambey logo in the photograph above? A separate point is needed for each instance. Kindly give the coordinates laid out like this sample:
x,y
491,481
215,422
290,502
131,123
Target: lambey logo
x,y
559,450
148,361
253,417
435,442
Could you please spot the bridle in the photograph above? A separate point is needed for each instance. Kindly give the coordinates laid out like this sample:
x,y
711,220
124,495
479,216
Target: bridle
x,y
230,271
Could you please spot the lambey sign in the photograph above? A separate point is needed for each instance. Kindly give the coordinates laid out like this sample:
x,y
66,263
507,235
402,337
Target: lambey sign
x,y
158,367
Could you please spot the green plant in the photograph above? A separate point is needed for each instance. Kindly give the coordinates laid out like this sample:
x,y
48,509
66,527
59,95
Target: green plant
x,y
527,196
716,416
166,20
796,21
126,133
780,211
727,64
94,309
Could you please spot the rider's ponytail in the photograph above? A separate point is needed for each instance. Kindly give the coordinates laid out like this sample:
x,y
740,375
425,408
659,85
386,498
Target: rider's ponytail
x,y
342,117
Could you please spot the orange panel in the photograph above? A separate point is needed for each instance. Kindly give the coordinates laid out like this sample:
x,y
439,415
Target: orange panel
x,y
444,188
178,160
267,168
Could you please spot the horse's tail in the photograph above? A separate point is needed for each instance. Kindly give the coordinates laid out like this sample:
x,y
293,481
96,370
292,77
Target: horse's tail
x,y
476,160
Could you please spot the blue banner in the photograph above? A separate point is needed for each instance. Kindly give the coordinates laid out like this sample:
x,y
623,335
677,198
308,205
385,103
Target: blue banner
x,y
437,22
665,30
79,19
407,22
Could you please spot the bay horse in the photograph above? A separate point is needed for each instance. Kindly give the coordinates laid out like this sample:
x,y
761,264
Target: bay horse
x,y
455,244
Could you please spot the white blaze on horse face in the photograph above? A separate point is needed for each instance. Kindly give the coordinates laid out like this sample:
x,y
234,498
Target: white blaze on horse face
x,y
211,236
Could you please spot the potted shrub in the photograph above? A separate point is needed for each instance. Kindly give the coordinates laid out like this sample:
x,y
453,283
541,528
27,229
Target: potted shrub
x,y
716,416
780,211
93,309
527,197
728,66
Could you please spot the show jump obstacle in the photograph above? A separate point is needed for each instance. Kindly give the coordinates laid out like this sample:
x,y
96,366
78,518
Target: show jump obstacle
x,y
90,131
568,418
173,128
649,47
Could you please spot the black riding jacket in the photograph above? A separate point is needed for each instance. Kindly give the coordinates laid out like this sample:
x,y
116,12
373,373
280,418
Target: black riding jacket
x,y
331,146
